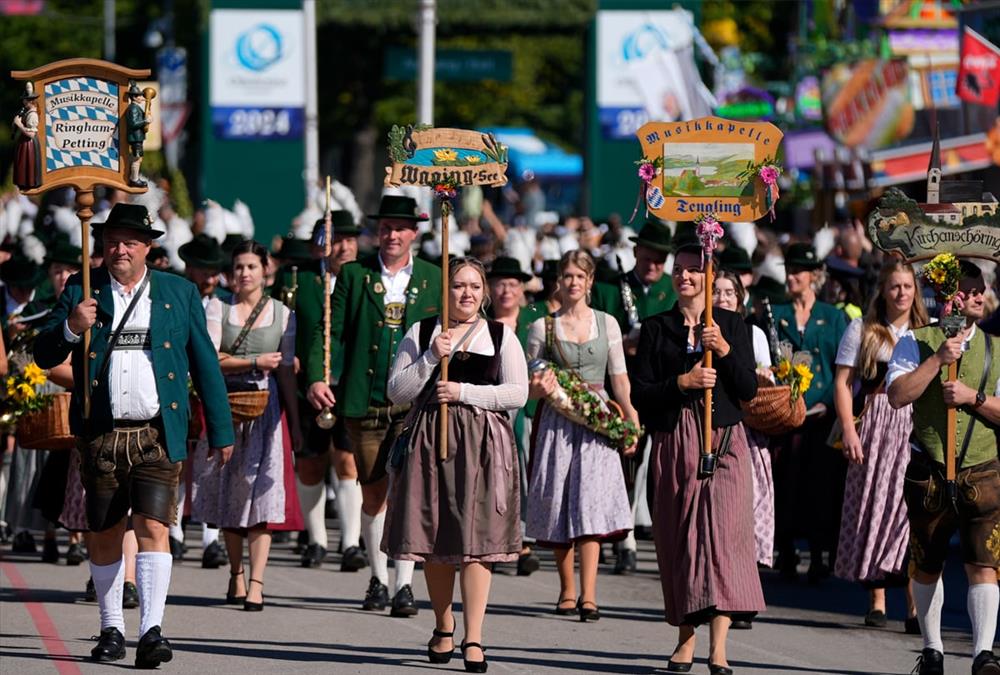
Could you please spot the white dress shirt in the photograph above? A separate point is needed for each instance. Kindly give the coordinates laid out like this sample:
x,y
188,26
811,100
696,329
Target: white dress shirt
x,y
131,378
395,284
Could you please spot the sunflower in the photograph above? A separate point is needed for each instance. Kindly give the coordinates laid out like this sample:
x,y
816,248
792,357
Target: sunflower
x,y
784,368
34,374
805,377
24,392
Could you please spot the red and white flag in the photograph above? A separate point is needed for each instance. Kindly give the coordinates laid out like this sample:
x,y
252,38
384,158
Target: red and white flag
x,y
979,73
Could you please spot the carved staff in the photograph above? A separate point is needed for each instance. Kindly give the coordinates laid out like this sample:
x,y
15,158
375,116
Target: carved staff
x,y
443,414
709,232
326,419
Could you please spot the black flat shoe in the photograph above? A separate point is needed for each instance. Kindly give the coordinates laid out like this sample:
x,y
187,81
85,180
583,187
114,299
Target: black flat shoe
x,y
527,564
719,670
474,666
74,555
353,559
130,596
177,550
625,563
313,556
875,619
930,662
110,646
403,604
213,557
911,626
985,663
566,611
377,596
441,657
231,597
90,592
679,666
152,650
255,606
587,614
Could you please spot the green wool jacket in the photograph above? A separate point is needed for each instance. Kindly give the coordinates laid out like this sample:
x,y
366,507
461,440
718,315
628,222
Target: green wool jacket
x,y
181,345
821,338
359,334
930,419
608,298
135,121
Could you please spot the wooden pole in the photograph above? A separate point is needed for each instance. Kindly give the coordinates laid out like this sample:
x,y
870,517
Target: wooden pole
x,y
707,426
443,413
327,249
84,211
949,446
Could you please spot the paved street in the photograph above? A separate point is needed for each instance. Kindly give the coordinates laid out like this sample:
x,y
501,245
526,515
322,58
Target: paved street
x,y
312,623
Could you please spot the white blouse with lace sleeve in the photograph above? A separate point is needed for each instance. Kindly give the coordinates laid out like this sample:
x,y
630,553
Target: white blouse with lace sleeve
x,y
412,369
616,352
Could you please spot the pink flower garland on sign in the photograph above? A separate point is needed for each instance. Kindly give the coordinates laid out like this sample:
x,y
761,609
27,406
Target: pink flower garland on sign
x,y
768,172
709,232
648,170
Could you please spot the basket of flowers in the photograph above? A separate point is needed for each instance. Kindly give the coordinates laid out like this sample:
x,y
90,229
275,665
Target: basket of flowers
x,y
42,420
576,401
779,407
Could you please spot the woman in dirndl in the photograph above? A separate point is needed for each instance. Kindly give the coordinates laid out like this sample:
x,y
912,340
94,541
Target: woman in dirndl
x,y
702,521
874,531
462,510
27,151
577,496
255,337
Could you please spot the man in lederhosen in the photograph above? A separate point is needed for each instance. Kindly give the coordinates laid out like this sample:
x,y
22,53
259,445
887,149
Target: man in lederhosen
x,y
918,375
147,332
376,300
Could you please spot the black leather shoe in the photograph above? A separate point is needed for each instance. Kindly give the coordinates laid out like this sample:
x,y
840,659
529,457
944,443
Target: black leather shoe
x,y
74,555
985,664
875,619
213,557
441,657
313,556
90,592
152,650
474,666
679,666
741,624
377,596
719,670
527,563
177,548
130,596
353,559
110,645
403,604
24,543
255,606
930,662
625,563
50,551
591,613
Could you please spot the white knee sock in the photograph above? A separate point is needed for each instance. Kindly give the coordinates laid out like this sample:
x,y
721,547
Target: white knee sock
x,y
177,529
404,574
984,603
929,598
109,581
349,512
628,544
311,500
372,527
152,576
209,535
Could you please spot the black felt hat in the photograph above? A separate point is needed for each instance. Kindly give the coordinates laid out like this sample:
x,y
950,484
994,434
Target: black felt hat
x,y
802,256
735,259
507,268
342,223
133,217
685,236
399,208
654,235
157,253
65,253
21,271
294,250
203,251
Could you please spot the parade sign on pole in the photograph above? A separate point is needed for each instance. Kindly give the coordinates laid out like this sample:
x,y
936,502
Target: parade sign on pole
x,y
444,160
82,124
700,168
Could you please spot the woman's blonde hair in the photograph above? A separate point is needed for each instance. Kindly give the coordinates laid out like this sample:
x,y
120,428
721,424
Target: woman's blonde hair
x,y
578,258
875,333
458,263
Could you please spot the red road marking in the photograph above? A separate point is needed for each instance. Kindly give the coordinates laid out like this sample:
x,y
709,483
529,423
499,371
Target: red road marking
x,y
43,622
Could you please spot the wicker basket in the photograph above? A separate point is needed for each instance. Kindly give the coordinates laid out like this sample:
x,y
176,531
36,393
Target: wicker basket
x,y
248,405
47,429
771,412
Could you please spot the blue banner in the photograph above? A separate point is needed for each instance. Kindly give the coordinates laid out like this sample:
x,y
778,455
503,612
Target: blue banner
x,y
258,124
621,123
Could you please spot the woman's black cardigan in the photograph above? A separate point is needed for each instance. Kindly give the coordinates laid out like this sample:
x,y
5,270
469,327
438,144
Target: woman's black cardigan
x,y
662,356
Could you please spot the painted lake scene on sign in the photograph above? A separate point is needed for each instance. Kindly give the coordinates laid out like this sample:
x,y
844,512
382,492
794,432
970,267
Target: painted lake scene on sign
x,y
706,169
